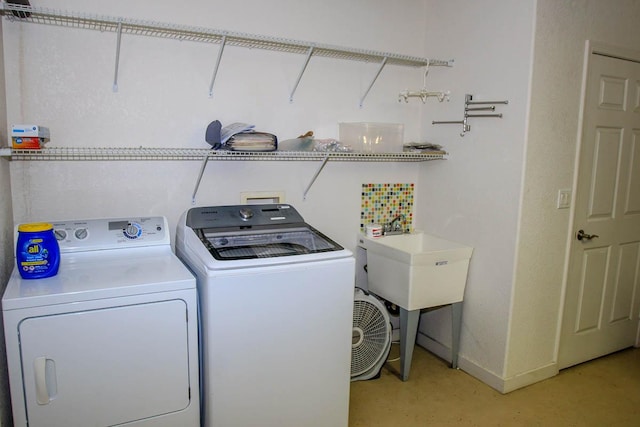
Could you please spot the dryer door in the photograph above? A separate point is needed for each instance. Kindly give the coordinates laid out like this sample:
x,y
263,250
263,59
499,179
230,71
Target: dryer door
x,y
105,367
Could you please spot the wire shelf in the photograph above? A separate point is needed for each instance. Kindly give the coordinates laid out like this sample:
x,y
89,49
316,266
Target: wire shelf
x,y
20,13
180,154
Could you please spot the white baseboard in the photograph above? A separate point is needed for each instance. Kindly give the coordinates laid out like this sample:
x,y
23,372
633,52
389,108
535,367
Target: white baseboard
x,y
433,346
531,377
491,379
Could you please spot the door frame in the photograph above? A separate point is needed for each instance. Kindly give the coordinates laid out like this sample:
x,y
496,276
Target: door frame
x,y
591,47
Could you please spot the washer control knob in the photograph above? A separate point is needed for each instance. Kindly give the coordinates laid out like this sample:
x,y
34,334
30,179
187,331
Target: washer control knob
x,y
81,233
246,213
60,234
132,231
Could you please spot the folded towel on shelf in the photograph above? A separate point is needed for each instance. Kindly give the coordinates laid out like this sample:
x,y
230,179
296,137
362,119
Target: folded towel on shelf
x,y
252,141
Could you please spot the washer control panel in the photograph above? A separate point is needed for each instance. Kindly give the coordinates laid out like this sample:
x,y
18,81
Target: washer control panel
x,y
242,216
110,233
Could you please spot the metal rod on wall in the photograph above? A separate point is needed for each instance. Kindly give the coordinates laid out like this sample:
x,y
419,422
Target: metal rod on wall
x,y
486,102
115,74
384,61
215,69
315,176
304,67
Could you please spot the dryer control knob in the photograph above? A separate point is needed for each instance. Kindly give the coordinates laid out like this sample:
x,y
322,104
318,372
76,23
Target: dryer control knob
x,y
60,234
246,213
132,231
81,233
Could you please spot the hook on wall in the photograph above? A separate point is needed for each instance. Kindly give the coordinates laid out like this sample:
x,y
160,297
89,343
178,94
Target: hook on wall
x,y
423,94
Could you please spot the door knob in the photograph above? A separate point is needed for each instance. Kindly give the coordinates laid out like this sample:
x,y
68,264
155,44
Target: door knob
x,y
580,235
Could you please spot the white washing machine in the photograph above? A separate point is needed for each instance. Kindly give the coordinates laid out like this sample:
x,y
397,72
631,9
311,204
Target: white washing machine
x,y
112,339
276,302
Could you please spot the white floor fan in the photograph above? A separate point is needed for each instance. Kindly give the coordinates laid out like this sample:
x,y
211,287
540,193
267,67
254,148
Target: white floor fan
x,y
371,336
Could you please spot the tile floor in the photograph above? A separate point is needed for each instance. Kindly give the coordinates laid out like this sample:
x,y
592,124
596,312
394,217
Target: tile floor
x,y
601,393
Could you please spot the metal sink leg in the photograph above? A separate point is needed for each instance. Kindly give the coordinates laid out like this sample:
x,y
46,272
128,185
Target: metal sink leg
x,y
456,324
408,330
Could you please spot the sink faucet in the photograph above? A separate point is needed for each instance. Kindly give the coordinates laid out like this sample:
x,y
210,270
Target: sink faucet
x,y
396,226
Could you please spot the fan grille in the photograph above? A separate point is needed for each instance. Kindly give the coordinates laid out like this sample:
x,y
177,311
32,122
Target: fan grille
x,y
370,336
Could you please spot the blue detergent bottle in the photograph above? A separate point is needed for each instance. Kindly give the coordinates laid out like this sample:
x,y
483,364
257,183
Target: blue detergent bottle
x,y
37,251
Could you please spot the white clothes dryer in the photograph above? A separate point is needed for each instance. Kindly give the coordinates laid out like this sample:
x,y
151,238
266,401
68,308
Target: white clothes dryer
x,y
112,339
276,302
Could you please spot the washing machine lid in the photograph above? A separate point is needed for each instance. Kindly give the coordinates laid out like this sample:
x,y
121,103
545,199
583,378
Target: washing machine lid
x,y
244,232
93,275
226,246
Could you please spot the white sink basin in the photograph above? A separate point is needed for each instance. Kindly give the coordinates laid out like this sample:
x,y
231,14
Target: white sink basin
x,y
416,270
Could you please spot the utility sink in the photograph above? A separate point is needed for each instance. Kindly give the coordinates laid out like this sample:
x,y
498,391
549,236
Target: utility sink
x,y
416,270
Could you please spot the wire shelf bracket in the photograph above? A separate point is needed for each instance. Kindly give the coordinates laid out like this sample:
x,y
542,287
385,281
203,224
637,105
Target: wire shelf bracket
x,y
223,42
315,176
115,73
304,67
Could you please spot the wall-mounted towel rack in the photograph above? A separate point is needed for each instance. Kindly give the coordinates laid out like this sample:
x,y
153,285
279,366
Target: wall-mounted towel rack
x,y
482,106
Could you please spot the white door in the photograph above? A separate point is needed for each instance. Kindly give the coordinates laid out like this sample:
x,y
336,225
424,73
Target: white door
x,y
602,300
105,367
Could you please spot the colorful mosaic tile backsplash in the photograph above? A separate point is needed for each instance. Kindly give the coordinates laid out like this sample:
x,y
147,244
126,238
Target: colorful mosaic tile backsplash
x,y
383,202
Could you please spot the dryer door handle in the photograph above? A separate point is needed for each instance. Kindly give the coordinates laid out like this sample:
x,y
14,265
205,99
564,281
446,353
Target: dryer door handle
x,y
45,377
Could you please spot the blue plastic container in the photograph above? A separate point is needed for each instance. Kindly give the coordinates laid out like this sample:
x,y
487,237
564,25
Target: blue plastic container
x,y
37,251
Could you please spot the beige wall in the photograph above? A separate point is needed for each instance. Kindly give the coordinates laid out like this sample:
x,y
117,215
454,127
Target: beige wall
x,y
474,197
498,190
6,240
562,29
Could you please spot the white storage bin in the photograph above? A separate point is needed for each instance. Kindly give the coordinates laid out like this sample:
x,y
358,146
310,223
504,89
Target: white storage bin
x,y
370,137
